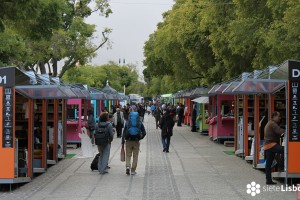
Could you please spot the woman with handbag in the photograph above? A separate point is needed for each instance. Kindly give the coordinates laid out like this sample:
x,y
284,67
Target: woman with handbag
x,y
167,123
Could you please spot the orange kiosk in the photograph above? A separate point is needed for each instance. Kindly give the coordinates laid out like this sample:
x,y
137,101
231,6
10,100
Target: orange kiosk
x,y
24,120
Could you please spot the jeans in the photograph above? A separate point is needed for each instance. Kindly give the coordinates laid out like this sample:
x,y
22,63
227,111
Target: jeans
x,y
157,120
132,149
270,155
104,157
166,142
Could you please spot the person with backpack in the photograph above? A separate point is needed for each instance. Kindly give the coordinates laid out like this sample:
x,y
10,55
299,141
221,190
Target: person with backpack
x,y
134,131
103,137
167,123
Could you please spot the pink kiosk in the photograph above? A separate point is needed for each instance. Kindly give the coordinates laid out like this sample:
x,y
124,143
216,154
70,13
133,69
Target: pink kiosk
x,y
221,120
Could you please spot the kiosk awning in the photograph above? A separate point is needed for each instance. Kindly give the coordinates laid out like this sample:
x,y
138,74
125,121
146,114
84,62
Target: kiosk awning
x,y
259,86
220,89
230,87
42,92
212,91
201,100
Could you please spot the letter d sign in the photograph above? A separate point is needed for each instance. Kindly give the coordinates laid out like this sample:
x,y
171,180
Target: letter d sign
x,y
295,73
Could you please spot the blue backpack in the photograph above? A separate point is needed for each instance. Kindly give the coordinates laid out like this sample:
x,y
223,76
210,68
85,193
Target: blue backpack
x,y
134,125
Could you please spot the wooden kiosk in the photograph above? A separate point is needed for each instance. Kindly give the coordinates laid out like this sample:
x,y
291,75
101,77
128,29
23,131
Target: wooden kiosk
x,y
28,105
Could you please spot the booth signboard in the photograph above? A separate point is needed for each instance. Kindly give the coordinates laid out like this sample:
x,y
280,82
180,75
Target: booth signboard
x,y
8,114
7,81
294,92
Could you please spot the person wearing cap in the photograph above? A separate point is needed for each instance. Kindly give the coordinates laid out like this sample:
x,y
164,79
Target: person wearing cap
x,y
119,122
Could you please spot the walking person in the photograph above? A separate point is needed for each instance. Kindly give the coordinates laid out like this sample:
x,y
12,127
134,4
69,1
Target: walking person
x,y
91,125
119,122
166,125
273,132
194,117
180,115
134,131
103,137
157,114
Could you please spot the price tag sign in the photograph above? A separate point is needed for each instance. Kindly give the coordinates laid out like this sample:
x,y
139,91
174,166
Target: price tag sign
x,y
8,117
294,101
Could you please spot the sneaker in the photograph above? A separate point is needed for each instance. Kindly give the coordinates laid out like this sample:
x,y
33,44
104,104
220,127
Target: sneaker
x,y
167,151
128,171
271,183
133,173
164,150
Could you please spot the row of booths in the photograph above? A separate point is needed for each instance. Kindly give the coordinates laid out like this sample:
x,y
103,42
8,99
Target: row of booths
x,y
40,114
239,109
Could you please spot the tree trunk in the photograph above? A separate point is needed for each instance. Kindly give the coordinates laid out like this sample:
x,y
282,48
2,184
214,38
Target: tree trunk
x,y
54,66
42,67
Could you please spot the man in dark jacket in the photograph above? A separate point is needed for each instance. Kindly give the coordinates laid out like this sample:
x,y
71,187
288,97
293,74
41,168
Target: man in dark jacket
x,y
180,115
194,117
273,133
167,123
157,114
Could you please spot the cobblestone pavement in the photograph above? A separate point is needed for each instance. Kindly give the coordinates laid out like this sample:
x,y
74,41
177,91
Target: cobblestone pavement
x,y
195,168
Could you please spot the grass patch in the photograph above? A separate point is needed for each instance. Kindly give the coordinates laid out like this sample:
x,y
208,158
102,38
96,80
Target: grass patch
x,y
71,155
229,152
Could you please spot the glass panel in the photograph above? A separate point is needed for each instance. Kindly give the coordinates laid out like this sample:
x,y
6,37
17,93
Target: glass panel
x,y
68,91
221,88
212,91
41,92
230,87
258,86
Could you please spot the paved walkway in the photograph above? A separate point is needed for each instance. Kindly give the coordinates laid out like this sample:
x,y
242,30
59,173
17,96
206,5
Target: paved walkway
x,y
195,168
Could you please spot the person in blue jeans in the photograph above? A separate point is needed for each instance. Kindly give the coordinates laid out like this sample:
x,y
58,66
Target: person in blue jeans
x,y
166,124
104,150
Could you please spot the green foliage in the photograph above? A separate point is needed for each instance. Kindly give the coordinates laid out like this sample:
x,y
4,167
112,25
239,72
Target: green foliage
x,y
96,76
203,42
49,31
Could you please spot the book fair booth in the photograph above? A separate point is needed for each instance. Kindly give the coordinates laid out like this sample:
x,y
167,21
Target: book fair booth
x,y
32,123
221,116
257,96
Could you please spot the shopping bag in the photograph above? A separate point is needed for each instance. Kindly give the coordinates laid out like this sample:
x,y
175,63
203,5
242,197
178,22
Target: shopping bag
x,y
122,154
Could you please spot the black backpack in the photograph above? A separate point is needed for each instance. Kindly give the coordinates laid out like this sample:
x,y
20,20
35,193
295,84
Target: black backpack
x,y
102,135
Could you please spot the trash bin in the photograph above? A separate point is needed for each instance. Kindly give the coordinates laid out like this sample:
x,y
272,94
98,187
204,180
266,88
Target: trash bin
x,y
86,145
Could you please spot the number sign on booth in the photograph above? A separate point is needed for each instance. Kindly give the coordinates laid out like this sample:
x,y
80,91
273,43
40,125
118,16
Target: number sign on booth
x,y
7,81
294,94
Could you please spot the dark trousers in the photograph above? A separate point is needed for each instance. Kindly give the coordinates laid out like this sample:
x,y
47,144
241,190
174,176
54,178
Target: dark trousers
x,y
119,128
166,142
180,120
157,120
270,155
194,128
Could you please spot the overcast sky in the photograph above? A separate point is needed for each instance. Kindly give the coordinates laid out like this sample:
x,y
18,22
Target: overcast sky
x,y
132,22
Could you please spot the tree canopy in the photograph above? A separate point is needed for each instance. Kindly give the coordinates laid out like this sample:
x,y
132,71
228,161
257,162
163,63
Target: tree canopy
x,y
36,34
96,76
203,42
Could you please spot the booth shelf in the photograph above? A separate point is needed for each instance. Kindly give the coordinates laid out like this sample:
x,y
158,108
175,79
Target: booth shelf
x,y
72,122
15,180
39,170
283,175
249,158
51,162
227,118
260,166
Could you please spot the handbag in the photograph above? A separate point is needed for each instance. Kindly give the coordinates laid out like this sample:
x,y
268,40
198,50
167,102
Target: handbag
x,y
122,154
